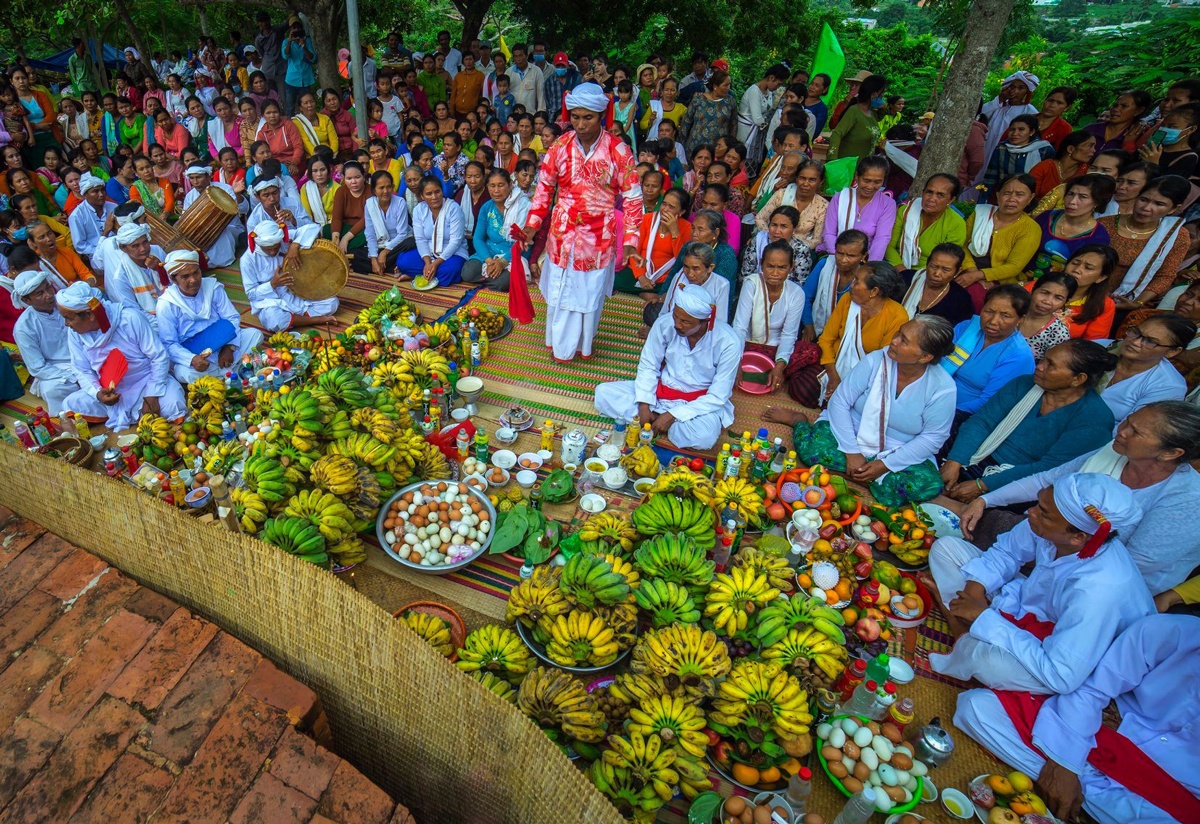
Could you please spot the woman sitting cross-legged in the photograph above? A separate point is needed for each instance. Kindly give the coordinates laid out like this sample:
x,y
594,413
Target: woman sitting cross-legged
x,y
1033,423
441,245
771,308
888,418
508,206
386,228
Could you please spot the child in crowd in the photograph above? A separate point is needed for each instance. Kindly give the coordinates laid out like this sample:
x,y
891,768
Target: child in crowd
x,y
504,101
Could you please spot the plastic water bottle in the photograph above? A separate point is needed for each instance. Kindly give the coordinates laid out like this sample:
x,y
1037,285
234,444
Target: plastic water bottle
x,y
239,425
777,459
798,791
884,699
733,466
859,808
227,432
646,437
862,700
619,431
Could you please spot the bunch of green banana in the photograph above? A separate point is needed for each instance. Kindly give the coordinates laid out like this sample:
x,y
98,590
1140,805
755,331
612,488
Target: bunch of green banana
x,y
637,802
684,483
348,551
666,603
589,581
779,574
784,614
219,456
250,509
678,722
536,597
155,430
267,477
606,533
554,699
336,474
666,513
682,656
676,559
326,512
298,537
296,463
642,462
581,639
388,304
497,685
346,386
338,426
648,760
299,414
808,644
496,649
433,630
734,596
763,694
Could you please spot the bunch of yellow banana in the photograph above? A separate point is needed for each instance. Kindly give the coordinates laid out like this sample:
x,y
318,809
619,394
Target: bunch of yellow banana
x,y
263,398
310,341
438,333
622,619
642,462
580,639
648,760
536,597
683,656
809,644
741,492
364,450
496,685
155,430
206,392
633,688
733,596
683,483
348,551
675,558
410,446
779,574
496,649
693,775
433,630
431,464
637,802
335,474
625,570
378,425
326,512
606,533
799,610
661,514
266,477
326,358
666,603
396,375
367,331
219,456
589,581
673,719
425,364
298,537
284,340
250,509
554,699
763,693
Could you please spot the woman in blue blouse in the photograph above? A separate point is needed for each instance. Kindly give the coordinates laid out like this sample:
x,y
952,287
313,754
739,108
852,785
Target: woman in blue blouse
x,y
989,349
493,246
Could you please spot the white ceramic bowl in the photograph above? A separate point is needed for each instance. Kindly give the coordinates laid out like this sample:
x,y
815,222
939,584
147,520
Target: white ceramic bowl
x,y
535,461
459,415
506,435
545,454
642,485
477,482
929,791
593,503
526,478
609,452
961,801
504,458
596,465
615,478
497,484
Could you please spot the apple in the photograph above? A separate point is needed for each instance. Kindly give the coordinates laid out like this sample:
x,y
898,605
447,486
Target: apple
x,y
867,629
697,465
474,312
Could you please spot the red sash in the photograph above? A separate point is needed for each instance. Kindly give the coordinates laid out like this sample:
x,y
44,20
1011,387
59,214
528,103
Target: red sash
x,y
1114,755
666,393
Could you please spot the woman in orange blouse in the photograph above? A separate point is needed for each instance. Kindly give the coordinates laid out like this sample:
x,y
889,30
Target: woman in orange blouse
x,y
283,137
664,233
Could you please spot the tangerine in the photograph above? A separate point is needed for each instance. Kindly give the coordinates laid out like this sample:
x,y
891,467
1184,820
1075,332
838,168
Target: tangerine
x,y
769,776
791,766
843,589
805,580
909,515
831,597
744,774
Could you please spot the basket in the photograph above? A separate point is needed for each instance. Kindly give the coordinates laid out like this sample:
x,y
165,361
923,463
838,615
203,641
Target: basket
x,y
458,630
83,457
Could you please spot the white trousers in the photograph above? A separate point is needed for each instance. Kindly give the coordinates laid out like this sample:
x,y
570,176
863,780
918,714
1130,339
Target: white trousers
x,y
981,716
571,333
172,404
971,658
276,318
54,392
617,400
248,338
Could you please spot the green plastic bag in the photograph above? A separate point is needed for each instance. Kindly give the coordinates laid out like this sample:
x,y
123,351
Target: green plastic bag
x,y
839,174
908,486
815,444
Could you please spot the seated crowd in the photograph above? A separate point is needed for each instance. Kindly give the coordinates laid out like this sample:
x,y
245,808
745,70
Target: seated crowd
x,y
1016,340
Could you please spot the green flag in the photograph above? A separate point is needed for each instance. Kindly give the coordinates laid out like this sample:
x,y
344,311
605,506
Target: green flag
x,y
829,60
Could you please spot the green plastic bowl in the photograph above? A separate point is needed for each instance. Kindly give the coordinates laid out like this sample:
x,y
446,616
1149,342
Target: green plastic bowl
x,y
899,808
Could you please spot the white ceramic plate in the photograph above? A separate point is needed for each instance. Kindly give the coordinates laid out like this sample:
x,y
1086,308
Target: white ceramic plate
x,y
593,503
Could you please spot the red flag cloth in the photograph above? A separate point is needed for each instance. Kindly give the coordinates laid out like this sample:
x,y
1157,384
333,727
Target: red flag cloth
x,y
113,369
520,304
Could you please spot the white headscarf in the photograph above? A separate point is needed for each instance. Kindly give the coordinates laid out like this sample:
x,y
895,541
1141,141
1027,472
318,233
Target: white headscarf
x,y
588,96
131,50
1097,505
696,301
79,297
132,217
1031,81
181,258
260,185
89,181
132,232
267,233
24,283
198,170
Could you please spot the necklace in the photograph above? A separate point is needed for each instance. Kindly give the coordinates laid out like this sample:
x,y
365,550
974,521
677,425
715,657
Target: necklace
x,y
935,300
1134,232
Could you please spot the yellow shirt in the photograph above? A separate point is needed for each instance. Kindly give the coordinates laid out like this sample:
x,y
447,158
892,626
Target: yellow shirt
x,y
1012,249
675,116
877,332
395,168
323,129
1189,590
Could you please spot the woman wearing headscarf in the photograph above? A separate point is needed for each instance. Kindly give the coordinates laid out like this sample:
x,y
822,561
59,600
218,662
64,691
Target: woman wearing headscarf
x,y
925,222
863,206
266,279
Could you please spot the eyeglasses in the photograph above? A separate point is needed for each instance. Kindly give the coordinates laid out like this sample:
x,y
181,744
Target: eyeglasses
x,y
1135,334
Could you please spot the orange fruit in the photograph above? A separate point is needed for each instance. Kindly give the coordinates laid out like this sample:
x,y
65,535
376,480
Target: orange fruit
x,y
824,479
850,615
791,766
909,515
1020,805
917,534
744,774
831,597
843,589
805,580
769,776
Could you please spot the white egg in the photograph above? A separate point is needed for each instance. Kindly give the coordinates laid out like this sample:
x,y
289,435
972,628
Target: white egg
x,y
389,536
910,785
874,780
433,517
849,726
485,527
883,747
887,774
823,730
849,764
862,737
410,539
919,769
462,530
837,738
908,795
426,562
869,757
445,534
882,802
418,498
902,777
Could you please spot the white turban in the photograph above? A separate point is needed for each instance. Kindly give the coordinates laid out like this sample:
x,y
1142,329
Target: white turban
x,y
79,296
269,183
89,181
588,96
198,170
132,217
203,72
24,283
180,258
1097,505
696,301
1030,80
131,50
268,233
131,233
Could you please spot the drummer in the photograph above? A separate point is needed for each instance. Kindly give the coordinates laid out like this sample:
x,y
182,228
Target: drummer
x,y
283,211
128,213
197,323
223,250
266,280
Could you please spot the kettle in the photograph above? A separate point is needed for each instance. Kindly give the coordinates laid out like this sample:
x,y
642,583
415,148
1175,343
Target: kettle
x,y
933,745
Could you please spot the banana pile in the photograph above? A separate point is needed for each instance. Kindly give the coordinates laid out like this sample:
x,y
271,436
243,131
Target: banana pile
x,y
206,400
666,603
590,581
743,493
299,415
641,463
296,536
495,649
800,610
155,431
250,509
662,514
558,702
388,304
433,630
676,559
425,363
581,639
537,597
438,333
779,574
606,533
764,696
675,721
266,477
328,513
684,657
734,596
808,644
684,483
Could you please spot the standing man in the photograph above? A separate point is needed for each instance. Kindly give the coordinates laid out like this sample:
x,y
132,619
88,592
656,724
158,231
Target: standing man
x,y
298,74
269,45
754,111
559,80
466,88
81,70
526,81
587,169
1012,101
453,56
395,56
818,87
690,84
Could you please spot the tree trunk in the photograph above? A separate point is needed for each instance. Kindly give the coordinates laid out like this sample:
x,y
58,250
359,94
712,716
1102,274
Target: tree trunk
x,y
325,29
203,21
960,97
135,35
97,43
473,12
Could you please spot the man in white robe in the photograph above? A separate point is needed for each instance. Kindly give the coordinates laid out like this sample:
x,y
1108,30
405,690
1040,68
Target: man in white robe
x,y
1044,633
286,212
92,219
1148,770
41,337
685,377
96,327
266,280
128,212
587,168
223,250
1012,101
192,304
137,278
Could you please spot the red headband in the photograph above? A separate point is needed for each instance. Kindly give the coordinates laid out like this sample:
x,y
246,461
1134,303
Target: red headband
x,y
1098,537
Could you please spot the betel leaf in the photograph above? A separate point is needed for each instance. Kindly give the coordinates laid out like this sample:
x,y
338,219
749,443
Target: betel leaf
x,y
537,548
511,532
704,808
558,486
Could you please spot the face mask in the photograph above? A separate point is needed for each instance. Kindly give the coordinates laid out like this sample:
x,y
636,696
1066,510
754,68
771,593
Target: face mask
x,y
539,58
1170,136
877,102
561,71
21,234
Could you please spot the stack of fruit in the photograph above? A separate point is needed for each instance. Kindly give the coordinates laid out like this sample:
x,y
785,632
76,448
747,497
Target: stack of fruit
x,y
487,320
1008,799
904,532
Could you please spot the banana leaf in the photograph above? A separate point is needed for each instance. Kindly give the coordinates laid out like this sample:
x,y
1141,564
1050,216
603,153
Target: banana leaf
x,y
558,486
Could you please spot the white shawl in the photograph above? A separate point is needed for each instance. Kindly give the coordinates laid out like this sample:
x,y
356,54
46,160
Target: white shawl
x,y
438,239
912,298
847,209
1000,434
377,220
1106,461
850,350
208,288
906,162
666,267
216,135
826,295
910,237
306,126
760,311
872,428
980,242
316,206
1146,265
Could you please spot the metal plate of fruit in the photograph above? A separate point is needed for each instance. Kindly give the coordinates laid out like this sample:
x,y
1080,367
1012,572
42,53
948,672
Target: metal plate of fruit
x,y
751,788
540,651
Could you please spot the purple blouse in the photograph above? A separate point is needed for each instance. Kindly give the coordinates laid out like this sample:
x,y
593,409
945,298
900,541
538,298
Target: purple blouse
x,y
877,220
